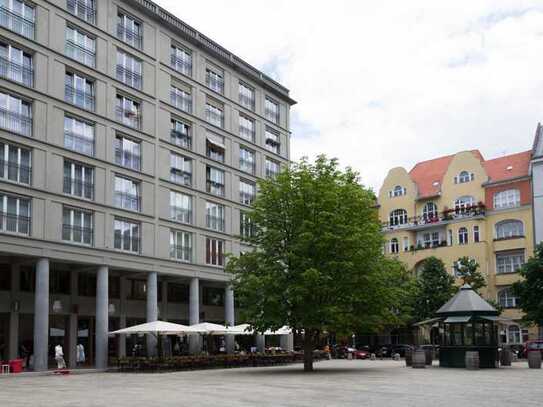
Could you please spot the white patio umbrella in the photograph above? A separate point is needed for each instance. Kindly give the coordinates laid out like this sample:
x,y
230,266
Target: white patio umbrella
x,y
158,328
284,330
210,328
241,329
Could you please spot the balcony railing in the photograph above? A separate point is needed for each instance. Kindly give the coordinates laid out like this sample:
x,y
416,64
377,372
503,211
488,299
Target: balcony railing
x,y
215,118
247,101
246,198
182,101
77,187
180,177
128,201
181,65
215,222
126,243
421,222
215,188
77,234
15,172
129,77
15,122
181,214
181,139
80,9
128,117
81,54
77,142
78,97
215,153
271,115
247,133
181,253
247,165
247,230
130,36
215,83
16,23
13,223
127,159
16,72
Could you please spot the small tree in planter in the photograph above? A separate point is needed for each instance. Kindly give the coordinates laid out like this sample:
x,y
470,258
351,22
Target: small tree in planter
x,y
468,270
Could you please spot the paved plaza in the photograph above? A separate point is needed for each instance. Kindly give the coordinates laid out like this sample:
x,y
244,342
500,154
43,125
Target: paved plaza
x,y
334,383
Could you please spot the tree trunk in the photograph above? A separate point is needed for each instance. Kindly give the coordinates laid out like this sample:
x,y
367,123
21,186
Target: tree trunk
x,y
308,350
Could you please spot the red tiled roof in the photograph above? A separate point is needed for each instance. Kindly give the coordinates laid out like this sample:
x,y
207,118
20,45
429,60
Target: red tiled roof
x,y
518,164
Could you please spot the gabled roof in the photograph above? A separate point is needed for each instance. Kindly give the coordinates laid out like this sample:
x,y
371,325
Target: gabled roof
x,y
508,167
466,301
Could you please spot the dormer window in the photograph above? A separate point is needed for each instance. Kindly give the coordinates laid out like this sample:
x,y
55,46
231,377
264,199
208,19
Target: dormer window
x,y
398,191
464,177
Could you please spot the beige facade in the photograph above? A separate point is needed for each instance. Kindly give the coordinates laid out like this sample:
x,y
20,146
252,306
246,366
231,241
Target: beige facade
x,y
463,205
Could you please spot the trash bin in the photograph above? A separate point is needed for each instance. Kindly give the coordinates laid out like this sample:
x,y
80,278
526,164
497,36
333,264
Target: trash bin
x,y
16,365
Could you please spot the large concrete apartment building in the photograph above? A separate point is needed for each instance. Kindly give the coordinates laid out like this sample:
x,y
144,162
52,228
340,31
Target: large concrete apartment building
x,y
130,147
463,205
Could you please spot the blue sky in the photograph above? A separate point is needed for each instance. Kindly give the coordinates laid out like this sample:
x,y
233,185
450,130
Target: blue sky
x,y
381,84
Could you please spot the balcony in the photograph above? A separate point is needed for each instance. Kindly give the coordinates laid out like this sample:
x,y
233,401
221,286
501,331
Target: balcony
x,y
215,222
181,65
214,188
215,83
127,159
246,198
215,118
128,117
182,101
182,253
126,243
181,214
80,9
16,72
77,187
180,177
16,23
272,115
247,133
78,97
77,234
12,223
15,172
247,101
443,218
16,122
129,77
247,165
78,142
130,36
128,201
181,139
81,54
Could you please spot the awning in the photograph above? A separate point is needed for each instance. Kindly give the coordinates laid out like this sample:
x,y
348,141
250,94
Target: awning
x,y
428,321
457,319
489,317
216,143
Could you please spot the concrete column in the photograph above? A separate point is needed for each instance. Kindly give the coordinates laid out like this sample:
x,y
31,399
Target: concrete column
x,y
229,317
152,310
260,343
41,315
287,342
102,317
72,325
194,314
13,346
122,316
164,305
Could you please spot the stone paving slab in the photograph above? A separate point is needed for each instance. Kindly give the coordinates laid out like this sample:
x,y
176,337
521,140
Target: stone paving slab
x,y
334,383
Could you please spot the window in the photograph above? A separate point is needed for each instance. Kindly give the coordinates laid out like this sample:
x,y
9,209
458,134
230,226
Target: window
x,y
215,80
180,207
513,334
215,114
77,226
126,235
181,245
214,252
129,30
178,293
80,46
427,240
180,134
405,244
137,290
129,70
509,262
507,299
507,229
463,203
398,217
78,180
246,128
215,147
181,98
246,96
450,237
271,110
127,193
273,142
5,277
15,163
215,216
15,115
213,296
18,16
16,64
78,135
128,111
246,226
214,181
507,199
128,152
394,246
398,191
180,169
463,236
181,60
272,168
464,177
247,160
84,9
14,214
79,91
429,212
476,236
247,192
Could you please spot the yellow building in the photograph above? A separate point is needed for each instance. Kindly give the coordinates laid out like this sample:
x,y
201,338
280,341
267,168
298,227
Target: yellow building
x,y
463,205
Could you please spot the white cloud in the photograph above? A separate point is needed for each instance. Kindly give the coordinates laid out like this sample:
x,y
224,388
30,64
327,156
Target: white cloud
x,y
388,83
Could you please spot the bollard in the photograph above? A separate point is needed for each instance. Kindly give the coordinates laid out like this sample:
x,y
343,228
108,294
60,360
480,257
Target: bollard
x,y
373,357
396,356
534,359
408,357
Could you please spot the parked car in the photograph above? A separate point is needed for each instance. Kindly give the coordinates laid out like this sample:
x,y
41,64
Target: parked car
x,y
363,353
342,352
401,349
533,346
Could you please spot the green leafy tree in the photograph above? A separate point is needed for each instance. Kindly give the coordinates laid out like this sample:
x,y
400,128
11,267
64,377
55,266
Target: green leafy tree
x,y
434,288
529,290
317,264
468,270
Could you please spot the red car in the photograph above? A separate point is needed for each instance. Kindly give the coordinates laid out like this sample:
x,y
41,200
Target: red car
x,y
361,354
533,346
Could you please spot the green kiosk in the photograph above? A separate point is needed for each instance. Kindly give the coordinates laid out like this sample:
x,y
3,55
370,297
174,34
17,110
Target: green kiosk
x,y
467,323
